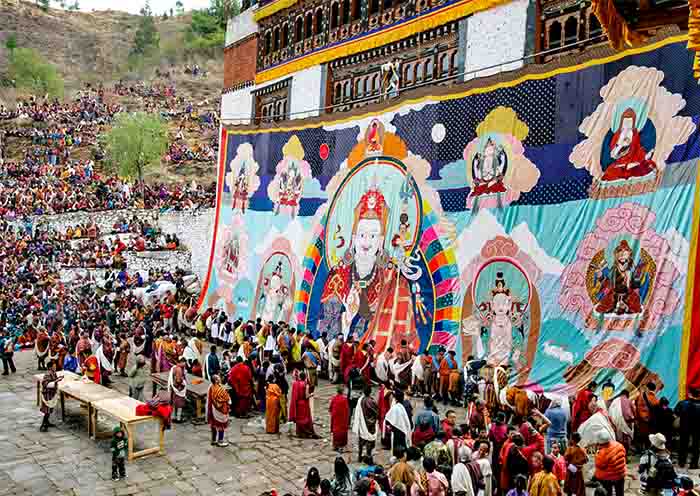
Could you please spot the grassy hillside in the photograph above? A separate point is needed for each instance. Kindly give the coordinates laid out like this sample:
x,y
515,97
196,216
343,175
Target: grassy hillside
x,y
93,47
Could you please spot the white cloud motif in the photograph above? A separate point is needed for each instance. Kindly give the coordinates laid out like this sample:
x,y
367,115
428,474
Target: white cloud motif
x,y
483,227
385,118
527,242
680,247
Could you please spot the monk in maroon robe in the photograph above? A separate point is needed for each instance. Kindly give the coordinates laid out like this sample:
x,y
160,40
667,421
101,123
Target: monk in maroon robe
x,y
580,411
347,353
361,361
300,408
340,419
240,378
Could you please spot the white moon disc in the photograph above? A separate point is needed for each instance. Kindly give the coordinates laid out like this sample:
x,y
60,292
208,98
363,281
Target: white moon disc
x,y
438,133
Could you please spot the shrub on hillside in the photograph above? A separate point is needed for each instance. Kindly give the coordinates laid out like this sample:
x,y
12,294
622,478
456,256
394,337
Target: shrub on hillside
x,y
30,71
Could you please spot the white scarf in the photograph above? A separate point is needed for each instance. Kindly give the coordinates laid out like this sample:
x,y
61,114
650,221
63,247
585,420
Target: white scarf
x,y
135,349
171,384
397,368
36,349
359,424
398,418
461,480
591,429
205,368
619,419
417,369
218,416
191,353
105,364
382,368
53,401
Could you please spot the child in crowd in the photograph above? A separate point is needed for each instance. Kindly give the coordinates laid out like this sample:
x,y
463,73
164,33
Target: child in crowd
x,y
119,448
520,488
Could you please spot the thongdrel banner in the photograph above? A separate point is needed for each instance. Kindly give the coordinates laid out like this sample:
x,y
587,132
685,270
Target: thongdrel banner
x,y
545,224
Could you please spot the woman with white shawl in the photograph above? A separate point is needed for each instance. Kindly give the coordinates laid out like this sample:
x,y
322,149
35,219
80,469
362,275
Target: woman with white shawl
x,y
104,362
400,424
383,366
591,429
192,353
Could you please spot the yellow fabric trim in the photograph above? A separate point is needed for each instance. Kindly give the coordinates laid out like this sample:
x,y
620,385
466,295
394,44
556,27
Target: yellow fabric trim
x,y
272,8
615,26
383,37
473,91
692,267
694,34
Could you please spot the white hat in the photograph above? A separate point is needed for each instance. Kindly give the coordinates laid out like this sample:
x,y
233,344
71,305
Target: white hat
x,y
658,441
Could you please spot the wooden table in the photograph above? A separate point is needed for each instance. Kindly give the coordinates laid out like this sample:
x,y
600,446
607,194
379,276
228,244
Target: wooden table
x,y
196,392
124,410
67,375
86,393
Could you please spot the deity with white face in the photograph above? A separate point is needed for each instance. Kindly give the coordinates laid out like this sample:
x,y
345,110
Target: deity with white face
x,y
500,316
275,295
375,296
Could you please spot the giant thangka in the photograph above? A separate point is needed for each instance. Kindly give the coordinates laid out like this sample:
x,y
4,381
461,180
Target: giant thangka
x,y
545,224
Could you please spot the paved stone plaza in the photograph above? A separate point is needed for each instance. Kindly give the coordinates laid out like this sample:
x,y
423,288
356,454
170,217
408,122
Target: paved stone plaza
x,y
65,461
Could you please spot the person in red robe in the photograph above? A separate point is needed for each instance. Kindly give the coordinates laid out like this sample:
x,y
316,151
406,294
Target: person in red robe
x,y
91,369
580,411
347,354
240,378
340,419
629,157
300,408
534,443
361,361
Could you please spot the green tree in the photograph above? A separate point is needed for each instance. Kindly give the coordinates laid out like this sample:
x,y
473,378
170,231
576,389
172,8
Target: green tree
x,y
74,7
223,10
31,71
147,38
179,8
11,43
135,144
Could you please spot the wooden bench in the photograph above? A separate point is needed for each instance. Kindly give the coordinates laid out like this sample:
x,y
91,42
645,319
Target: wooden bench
x,y
196,392
124,410
67,375
85,393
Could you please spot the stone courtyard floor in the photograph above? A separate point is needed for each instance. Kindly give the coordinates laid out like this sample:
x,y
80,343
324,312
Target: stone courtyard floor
x,y
65,461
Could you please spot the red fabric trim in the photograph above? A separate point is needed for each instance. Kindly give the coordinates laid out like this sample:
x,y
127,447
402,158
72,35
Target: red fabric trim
x,y
693,371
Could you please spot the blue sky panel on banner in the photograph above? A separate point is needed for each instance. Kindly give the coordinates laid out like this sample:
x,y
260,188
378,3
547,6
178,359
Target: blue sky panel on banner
x,y
543,224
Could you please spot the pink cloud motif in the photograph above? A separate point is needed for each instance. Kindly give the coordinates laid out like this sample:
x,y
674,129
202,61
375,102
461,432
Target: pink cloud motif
x,y
633,222
503,247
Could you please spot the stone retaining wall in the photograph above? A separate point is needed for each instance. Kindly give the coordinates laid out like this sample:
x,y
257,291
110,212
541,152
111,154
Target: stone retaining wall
x,y
193,228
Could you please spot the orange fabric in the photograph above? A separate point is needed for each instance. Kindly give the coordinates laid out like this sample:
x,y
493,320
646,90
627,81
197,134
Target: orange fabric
x,y
219,398
444,368
611,462
619,33
272,409
643,410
